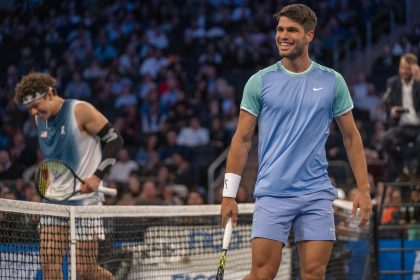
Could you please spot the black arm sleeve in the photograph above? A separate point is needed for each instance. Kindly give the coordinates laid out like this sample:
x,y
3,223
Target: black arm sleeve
x,y
111,143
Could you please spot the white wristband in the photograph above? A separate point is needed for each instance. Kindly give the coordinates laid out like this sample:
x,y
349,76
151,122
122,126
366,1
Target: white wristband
x,y
231,185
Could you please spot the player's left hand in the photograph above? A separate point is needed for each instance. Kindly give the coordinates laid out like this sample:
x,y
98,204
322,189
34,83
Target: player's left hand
x,y
362,200
91,184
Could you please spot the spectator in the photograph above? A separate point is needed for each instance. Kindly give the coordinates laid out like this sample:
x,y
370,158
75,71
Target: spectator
x,y
11,195
171,95
143,153
4,137
171,146
391,212
20,152
30,193
210,56
125,98
29,129
94,71
179,115
81,46
413,214
123,167
413,210
164,177
218,137
29,173
194,135
9,170
157,38
132,195
153,119
378,194
153,64
149,194
184,175
129,134
194,198
128,62
105,50
147,84
78,88
401,46
364,96
169,196
402,99
231,120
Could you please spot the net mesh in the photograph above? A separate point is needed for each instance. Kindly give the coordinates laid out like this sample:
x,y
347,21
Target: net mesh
x,y
148,242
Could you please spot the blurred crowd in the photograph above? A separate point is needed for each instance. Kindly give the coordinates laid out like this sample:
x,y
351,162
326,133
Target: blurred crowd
x,y
169,74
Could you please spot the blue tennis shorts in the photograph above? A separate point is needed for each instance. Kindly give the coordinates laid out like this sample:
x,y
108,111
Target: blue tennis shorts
x,y
311,216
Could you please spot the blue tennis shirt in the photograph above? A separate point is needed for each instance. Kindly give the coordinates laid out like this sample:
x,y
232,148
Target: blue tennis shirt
x,y
294,113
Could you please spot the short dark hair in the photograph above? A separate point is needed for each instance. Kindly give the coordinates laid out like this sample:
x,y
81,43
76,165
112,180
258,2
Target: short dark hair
x,y
32,83
300,13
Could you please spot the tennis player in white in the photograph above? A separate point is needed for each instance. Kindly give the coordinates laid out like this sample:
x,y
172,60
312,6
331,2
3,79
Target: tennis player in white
x,y
76,133
294,102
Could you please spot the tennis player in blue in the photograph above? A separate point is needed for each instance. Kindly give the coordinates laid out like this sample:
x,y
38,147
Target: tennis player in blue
x,y
294,102
74,132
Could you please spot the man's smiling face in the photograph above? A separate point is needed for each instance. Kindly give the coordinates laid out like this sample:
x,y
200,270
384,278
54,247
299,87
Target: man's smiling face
x,y
291,38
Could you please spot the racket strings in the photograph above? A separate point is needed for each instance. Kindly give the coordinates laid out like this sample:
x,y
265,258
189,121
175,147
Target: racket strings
x,y
43,179
53,179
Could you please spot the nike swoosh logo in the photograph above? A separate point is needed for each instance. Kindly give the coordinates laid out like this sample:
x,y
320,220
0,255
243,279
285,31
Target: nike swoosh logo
x,y
226,183
317,89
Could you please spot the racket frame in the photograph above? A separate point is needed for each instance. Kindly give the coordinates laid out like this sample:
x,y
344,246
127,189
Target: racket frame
x,y
76,189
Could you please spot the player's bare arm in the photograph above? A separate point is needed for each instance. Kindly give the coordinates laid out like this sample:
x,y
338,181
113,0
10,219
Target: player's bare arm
x,y
236,161
89,119
354,148
92,122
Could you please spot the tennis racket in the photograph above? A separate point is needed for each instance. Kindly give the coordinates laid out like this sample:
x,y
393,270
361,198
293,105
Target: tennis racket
x,y
225,246
56,181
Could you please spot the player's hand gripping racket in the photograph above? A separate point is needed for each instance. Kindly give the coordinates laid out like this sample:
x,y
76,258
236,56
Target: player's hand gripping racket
x,y
225,246
56,181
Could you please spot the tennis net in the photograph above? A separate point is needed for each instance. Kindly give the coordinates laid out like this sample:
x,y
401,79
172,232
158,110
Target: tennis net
x,y
148,242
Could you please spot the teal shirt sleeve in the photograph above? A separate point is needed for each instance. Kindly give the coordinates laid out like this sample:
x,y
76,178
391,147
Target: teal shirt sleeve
x,y
342,99
251,98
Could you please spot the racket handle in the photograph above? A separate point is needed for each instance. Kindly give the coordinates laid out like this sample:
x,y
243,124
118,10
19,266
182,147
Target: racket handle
x,y
228,234
107,191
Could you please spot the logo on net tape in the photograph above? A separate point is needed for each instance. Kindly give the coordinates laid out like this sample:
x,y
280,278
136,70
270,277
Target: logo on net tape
x,y
209,241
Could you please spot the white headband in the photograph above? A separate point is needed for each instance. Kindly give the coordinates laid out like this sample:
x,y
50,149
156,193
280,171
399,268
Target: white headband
x,y
29,98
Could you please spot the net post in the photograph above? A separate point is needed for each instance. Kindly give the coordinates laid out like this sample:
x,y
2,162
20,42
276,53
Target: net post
x,y
375,241
73,272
